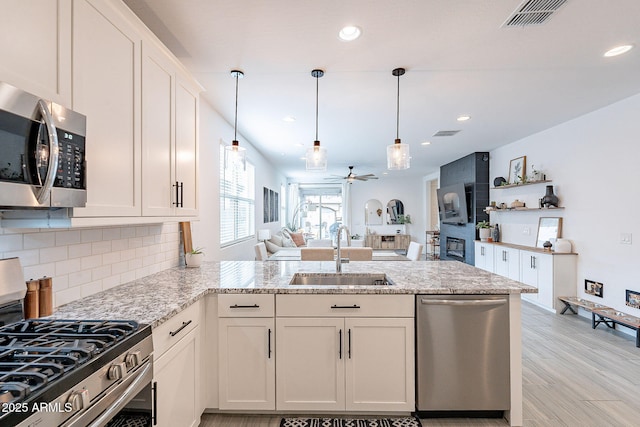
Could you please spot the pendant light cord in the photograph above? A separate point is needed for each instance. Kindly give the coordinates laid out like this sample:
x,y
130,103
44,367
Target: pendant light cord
x,y
235,122
398,111
317,83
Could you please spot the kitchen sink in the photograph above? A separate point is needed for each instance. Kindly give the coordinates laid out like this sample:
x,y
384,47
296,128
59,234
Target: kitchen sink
x,y
341,279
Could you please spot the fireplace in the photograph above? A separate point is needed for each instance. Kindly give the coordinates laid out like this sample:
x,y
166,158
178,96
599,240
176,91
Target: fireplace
x,y
455,248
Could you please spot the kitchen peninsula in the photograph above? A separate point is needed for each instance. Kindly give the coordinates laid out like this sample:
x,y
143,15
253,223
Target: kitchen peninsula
x,y
196,311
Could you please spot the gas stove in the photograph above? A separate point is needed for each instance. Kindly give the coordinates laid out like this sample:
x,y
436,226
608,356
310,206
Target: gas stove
x,y
74,372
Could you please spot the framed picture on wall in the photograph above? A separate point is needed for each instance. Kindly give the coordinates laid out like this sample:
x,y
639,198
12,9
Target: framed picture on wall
x,y
517,170
265,205
270,205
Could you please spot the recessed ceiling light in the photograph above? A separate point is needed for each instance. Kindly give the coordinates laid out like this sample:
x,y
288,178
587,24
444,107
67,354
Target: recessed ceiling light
x,y
289,119
299,144
426,143
303,158
463,118
349,33
385,173
618,50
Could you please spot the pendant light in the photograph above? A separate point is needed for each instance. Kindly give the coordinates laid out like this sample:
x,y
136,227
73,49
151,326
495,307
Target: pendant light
x,y
234,155
316,156
398,153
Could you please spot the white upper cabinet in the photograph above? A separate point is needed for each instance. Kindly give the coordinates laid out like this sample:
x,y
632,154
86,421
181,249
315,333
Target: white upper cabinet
x,y
157,132
186,158
106,88
35,41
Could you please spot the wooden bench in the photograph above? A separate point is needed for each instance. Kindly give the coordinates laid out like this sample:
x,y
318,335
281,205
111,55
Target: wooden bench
x,y
611,317
570,302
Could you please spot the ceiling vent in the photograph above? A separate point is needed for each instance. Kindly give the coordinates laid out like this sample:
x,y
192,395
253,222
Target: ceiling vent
x,y
533,12
446,132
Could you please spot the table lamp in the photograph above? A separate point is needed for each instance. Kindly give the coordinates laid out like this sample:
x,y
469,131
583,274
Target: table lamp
x,y
264,234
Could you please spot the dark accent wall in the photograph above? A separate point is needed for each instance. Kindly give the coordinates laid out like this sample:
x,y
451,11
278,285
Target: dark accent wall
x,y
473,172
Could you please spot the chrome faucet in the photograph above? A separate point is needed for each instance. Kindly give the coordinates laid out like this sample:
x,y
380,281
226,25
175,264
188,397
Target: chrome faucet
x,y
339,259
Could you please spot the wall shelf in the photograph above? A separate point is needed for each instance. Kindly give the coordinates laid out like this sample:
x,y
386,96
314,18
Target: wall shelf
x,y
523,209
520,185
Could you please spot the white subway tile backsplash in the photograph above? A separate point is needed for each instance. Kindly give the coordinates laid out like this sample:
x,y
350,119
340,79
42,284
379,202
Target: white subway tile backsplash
x,y
79,278
79,250
27,258
91,235
68,266
68,237
113,233
38,271
86,261
100,247
10,242
53,254
89,262
101,272
39,240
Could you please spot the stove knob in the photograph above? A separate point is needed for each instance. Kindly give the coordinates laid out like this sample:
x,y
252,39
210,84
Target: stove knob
x,y
79,399
132,359
116,371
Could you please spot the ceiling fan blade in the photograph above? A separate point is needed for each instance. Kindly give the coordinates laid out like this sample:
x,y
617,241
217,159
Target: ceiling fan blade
x,y
368,175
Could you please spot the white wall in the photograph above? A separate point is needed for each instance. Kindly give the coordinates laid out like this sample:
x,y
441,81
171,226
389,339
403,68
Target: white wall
x,y
206,232
410,191
593,162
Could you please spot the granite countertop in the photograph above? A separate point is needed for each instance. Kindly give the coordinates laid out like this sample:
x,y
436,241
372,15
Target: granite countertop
x,y
158,297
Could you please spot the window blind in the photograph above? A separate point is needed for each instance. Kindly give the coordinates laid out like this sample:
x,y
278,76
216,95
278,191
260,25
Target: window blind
x,y
237,202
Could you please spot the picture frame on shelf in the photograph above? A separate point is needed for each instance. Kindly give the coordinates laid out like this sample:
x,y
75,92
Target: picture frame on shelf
x,y
517,170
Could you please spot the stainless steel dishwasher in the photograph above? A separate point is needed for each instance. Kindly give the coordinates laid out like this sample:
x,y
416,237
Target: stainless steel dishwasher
x,y
462,354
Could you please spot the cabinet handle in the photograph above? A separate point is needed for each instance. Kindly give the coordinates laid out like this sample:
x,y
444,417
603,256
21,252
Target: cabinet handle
x,y
534,262
154,392
481,250
340,343
345,306
269,343
244,306
177,331
179,194
182,194
349,349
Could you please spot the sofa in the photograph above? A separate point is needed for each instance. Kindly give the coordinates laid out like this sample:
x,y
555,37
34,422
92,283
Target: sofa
x,y
284,239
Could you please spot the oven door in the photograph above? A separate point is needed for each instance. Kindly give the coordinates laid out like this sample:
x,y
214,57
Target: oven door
x,y
134,393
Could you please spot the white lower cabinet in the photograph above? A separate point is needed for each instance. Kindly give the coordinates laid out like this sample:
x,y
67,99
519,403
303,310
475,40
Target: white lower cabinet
x,y
553,275
484,256
246,352
507,262
337,359
176,369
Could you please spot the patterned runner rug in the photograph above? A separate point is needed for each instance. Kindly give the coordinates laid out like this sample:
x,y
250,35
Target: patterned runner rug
x,y
349,422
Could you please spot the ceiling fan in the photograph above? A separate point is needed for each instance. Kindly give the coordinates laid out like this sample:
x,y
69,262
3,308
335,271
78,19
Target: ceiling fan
x,y
353,177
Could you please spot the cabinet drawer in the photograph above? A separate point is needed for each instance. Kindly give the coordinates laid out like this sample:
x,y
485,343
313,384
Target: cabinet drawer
x,y
171,331
345,305
246,305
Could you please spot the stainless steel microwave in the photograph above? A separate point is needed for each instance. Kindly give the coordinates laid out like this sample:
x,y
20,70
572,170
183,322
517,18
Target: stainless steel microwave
x,y
42,152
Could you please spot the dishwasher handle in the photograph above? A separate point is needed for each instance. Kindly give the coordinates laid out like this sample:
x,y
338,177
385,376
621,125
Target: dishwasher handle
x,y
468,302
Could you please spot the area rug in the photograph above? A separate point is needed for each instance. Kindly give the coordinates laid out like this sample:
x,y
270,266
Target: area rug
x,y
351,422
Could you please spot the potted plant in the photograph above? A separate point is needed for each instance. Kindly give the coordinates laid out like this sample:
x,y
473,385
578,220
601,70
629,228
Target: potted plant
x,y
194,258
484,227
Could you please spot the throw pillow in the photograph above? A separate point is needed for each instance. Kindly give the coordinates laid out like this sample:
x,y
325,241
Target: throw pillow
x,y
297,238
271,247
276,239
287,242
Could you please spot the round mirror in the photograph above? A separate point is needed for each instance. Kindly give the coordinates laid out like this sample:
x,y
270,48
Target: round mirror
x,y
373,212
394,209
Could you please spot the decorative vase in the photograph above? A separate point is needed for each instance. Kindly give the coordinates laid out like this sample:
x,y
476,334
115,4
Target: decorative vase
x,y
563,246
549,198
193,260
485,233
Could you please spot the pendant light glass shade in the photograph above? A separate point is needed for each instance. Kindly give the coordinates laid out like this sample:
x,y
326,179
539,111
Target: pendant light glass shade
x,y
398,156
316,156
234,155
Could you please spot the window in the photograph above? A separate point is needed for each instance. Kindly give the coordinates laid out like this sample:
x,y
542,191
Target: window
x,y
237,202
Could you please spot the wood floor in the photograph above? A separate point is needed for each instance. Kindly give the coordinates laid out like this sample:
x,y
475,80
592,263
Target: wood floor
x,y
572,376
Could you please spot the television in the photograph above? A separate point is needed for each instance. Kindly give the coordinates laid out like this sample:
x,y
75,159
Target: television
x,y
452,204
